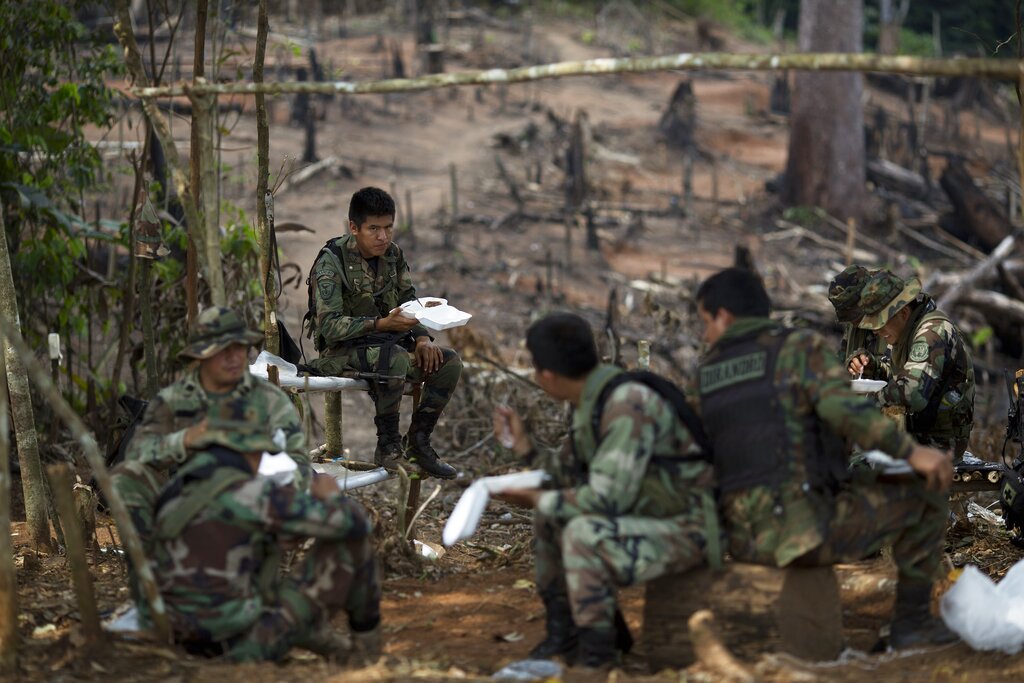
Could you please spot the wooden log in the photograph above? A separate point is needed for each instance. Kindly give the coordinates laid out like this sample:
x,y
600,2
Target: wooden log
x,y
894,177
981,216
60,484
332,423
711,652
980,271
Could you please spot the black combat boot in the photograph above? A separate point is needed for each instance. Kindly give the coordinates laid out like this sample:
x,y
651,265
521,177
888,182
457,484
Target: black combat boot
x,y
912,622
419,451
597,648
389,440
562,636
623,638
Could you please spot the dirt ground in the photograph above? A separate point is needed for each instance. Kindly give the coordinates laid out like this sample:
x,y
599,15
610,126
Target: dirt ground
x,y
473,610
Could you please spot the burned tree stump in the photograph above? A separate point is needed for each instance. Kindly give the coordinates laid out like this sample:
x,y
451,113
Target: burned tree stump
x,y
981,216
678,122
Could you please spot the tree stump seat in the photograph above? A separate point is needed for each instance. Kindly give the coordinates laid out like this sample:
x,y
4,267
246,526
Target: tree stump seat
x,y
757,607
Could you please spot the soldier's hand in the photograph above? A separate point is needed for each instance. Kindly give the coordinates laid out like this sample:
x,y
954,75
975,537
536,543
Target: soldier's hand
x,y
428,355
858,364
323,486
935,466
396,321
522,497
194,433
510,431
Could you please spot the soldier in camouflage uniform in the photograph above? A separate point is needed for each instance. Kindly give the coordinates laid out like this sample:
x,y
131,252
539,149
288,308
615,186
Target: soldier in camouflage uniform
x,y
630,503
357,284
931,372
781,418
218,528
175,420
844,292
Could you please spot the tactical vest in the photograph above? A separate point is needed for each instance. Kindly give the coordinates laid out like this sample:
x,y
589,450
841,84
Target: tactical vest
x,y
750,432
358,302
950,409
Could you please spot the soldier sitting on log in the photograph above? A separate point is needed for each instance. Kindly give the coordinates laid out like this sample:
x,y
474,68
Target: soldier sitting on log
x,y
356,287
218,533
930,369
781,416
632,496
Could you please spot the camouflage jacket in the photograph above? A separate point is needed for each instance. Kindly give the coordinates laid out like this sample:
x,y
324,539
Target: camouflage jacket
x,y
856,342
932,367
349,297
159,440
638,468
777,524
215,547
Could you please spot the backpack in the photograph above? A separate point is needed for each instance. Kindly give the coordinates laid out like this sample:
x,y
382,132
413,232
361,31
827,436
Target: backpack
x,y
309,320
668,391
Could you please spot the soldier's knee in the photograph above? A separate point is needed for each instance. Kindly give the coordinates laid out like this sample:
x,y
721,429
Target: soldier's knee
x,y
401,362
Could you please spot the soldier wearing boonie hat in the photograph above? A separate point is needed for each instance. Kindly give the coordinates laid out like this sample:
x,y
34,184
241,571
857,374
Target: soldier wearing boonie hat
x,y
931,373
844,291
175,423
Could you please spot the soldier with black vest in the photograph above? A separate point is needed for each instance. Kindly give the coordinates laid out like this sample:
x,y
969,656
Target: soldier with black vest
x,y
781,418
356,287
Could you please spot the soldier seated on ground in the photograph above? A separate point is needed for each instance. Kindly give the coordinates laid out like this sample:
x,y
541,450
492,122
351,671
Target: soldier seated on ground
x,y
217,533
357,284
930,372
632,499
175,419
781,417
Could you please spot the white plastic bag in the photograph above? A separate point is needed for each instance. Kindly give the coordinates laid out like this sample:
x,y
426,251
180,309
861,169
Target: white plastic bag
x,y
988,616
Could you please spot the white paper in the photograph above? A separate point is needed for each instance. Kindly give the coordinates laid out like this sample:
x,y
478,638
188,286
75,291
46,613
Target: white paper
x,y
465,518
441,316
988,616
278,466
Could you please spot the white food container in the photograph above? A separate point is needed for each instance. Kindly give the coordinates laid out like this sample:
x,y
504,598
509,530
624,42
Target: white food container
x,y
867,386
441,316
466,516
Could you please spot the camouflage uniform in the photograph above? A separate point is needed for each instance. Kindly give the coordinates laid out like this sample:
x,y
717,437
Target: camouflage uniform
x,y
349,298
804,508
844,292
931,373
217,530
625,510
157,446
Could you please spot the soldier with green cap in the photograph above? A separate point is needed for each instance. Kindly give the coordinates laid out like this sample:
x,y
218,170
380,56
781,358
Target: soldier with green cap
x,y
218,527
176,419
931,373
844,292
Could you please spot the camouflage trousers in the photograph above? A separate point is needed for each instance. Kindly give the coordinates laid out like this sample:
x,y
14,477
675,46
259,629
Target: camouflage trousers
x,y
138,485
438,386
333,576
587,558
868,516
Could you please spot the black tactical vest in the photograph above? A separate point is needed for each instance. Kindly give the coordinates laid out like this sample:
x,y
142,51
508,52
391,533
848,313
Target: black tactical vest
x,y
745,421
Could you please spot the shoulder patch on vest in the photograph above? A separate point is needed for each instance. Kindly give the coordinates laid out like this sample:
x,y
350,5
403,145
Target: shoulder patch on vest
x,y
326,288
919,351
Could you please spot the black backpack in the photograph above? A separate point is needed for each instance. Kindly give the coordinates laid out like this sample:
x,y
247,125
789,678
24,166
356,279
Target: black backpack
x,y
309,320
668,391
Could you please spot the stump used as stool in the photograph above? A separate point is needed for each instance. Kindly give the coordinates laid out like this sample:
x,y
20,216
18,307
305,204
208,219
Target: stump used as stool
x,y
758,608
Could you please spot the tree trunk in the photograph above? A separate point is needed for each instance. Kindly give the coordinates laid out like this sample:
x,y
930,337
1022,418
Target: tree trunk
x,y
8,578
191,254
890,23
21,410
264,200
825,166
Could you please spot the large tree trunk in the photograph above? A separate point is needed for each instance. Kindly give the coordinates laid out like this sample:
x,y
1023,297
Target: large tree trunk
x,y
21,407
826,132
890,23
264,200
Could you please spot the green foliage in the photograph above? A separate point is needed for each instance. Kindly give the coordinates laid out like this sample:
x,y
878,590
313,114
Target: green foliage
x,y
981,337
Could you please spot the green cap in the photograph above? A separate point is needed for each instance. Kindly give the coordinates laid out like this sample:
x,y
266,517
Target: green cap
x,y
845,290
240,424
883,296
216,329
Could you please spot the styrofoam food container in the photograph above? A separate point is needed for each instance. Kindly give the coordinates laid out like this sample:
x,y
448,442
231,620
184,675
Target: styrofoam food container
x,y
867,386
465,518
439,317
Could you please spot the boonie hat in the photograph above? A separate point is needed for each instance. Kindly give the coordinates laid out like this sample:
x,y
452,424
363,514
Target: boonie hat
x,y
216,329
883,296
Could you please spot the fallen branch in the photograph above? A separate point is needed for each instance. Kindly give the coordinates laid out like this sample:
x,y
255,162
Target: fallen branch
x,y
983,269
711,652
